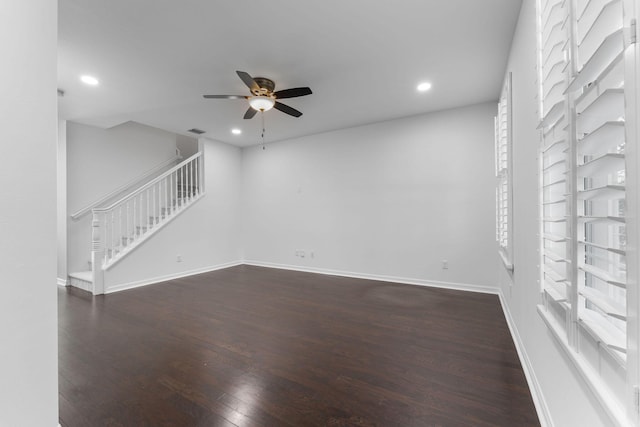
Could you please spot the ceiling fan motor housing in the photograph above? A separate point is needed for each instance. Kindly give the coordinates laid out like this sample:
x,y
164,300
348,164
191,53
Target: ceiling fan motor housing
x,y
266,86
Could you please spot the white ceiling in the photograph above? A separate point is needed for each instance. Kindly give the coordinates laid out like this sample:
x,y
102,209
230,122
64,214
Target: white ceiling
x,y
363,60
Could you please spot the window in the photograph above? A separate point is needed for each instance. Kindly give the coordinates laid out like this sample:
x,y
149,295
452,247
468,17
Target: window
x,y
583,49
503,174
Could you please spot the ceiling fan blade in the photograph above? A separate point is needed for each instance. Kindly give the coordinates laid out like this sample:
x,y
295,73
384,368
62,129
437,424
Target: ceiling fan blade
x,y
250,113
286,109
224,96
292,93
248,80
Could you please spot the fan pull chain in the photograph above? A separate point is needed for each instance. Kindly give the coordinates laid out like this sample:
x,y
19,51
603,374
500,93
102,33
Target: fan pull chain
x,y
262,116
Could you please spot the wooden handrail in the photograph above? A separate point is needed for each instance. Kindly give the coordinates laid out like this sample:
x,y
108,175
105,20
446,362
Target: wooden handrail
x,y
147,185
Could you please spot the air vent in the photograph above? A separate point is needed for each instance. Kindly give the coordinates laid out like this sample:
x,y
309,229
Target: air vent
x,y
196,131
60,92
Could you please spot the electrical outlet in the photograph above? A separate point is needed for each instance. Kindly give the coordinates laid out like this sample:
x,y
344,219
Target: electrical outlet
x,y
445,264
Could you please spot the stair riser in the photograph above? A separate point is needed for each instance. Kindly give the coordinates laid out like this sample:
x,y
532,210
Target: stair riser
x,y
81,284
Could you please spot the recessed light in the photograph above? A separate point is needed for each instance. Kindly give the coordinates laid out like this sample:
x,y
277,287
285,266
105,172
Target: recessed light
x,y
423,87
236,131
90,80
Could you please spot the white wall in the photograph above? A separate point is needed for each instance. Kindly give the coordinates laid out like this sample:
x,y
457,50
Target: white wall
x,y
28,306
61,191
390,199
100,161
205,235
187,146
567,398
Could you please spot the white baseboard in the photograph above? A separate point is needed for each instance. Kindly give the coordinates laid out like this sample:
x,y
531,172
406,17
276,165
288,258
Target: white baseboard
x,y
534,386
381,278
150,281
62,282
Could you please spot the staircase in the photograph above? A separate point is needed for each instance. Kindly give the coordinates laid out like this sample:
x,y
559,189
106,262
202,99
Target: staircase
x,y
122,226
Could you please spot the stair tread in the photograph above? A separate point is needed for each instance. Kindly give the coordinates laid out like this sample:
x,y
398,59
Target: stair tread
x,y
87,276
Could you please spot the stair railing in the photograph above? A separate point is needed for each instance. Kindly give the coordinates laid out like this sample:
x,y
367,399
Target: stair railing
x,y
131,184
126,223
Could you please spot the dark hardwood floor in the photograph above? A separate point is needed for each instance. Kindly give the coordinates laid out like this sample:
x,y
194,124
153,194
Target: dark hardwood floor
x,y
250,346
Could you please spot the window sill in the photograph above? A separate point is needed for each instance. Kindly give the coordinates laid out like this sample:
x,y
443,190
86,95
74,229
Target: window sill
x,y
505,261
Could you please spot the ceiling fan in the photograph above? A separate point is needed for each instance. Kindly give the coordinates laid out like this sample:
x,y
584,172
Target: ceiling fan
x,y
263,98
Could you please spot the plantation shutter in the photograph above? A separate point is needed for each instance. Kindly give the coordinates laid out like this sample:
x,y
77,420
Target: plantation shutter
x,y
503,173
556,187
583,102
600,135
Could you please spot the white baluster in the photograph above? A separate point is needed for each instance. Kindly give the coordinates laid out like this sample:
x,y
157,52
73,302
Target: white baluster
x,y
120,226
153,206
186,167
113,229
159,184
134,216
147,213
126,225
140,215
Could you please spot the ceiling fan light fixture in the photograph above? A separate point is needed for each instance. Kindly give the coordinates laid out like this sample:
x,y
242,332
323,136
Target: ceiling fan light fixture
x,y
261,103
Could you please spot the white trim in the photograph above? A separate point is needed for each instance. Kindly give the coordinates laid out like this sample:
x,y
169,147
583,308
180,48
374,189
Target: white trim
x,y
62,282
82,212
404,280
145,282
544,415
